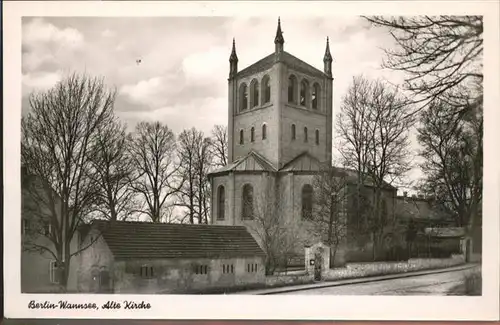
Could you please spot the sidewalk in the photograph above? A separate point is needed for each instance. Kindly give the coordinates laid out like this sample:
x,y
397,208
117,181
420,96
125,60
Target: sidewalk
x,y
270,291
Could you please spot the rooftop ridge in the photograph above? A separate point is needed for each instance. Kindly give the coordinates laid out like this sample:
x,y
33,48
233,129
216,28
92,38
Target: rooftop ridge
x,y
118,222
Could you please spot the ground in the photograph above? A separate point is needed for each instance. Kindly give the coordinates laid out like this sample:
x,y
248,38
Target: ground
x,y
431,284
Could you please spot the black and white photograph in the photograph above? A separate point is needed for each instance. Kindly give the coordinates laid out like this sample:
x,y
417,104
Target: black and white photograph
x,y
249,155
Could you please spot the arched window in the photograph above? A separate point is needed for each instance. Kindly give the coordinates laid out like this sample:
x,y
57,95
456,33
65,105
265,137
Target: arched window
x,y
252,134
315,96
264,132
305,134
307,201
247,202
221,203
317,136
243,97
254,93
292,89
242,140
294,134
266,90
304,91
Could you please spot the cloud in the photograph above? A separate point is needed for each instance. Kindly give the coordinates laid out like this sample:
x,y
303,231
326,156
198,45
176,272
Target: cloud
x,y
210,110
108,33
142,91
41,81
40,31
205,65
46,47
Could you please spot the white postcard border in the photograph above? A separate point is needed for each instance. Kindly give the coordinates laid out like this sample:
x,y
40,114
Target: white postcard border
x,y
253,307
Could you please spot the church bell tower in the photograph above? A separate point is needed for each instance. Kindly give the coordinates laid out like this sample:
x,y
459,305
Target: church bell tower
x,y
280,106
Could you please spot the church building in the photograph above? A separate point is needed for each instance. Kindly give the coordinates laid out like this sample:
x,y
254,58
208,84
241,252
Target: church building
x,y
279,133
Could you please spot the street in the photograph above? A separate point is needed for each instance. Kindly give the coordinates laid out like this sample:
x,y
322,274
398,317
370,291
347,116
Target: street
x,y
432,284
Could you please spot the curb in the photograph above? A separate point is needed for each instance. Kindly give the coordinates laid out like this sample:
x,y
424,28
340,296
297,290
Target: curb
x,y
337,283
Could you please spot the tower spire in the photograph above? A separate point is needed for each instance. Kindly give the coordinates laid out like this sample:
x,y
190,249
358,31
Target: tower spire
x,y
327,59
233,61
233,56
279,40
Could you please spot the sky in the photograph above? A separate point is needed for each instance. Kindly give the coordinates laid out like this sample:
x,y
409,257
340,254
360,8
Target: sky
x,y
182,77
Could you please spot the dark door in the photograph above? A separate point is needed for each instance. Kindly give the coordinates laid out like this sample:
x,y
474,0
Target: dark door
x,y
318,262
104,281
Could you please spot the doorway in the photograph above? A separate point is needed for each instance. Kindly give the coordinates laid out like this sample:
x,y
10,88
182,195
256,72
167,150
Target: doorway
x,y
318,264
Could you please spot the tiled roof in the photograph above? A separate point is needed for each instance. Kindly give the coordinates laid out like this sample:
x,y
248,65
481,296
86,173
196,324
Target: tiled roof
x,y
145,240
252,161
303,162
268,61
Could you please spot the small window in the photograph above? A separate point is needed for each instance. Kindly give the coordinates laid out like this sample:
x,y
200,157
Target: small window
x,y
226,268
292,89
243,97
315,96
264,132
53,272
254,90
221,203
201,269
304,90
147,272
247,202
242,137
317,137
252,268
307,201
305,134
294,135
252,134
266,90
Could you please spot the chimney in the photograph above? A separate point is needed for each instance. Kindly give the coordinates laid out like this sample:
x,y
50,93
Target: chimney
x,y
405,194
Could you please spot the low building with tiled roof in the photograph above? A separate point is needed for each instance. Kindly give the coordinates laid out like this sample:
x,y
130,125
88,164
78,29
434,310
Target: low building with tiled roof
x,y
143,257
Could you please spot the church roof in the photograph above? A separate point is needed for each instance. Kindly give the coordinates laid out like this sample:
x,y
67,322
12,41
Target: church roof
x,y
268,61
146,240
253,161
303,162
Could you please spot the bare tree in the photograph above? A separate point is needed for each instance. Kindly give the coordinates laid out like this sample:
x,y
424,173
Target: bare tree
x,y
219,145
113,167
354,136
374,129
453,152
279,235
152,151
195,158
57,135
330,195
438,53
203,166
